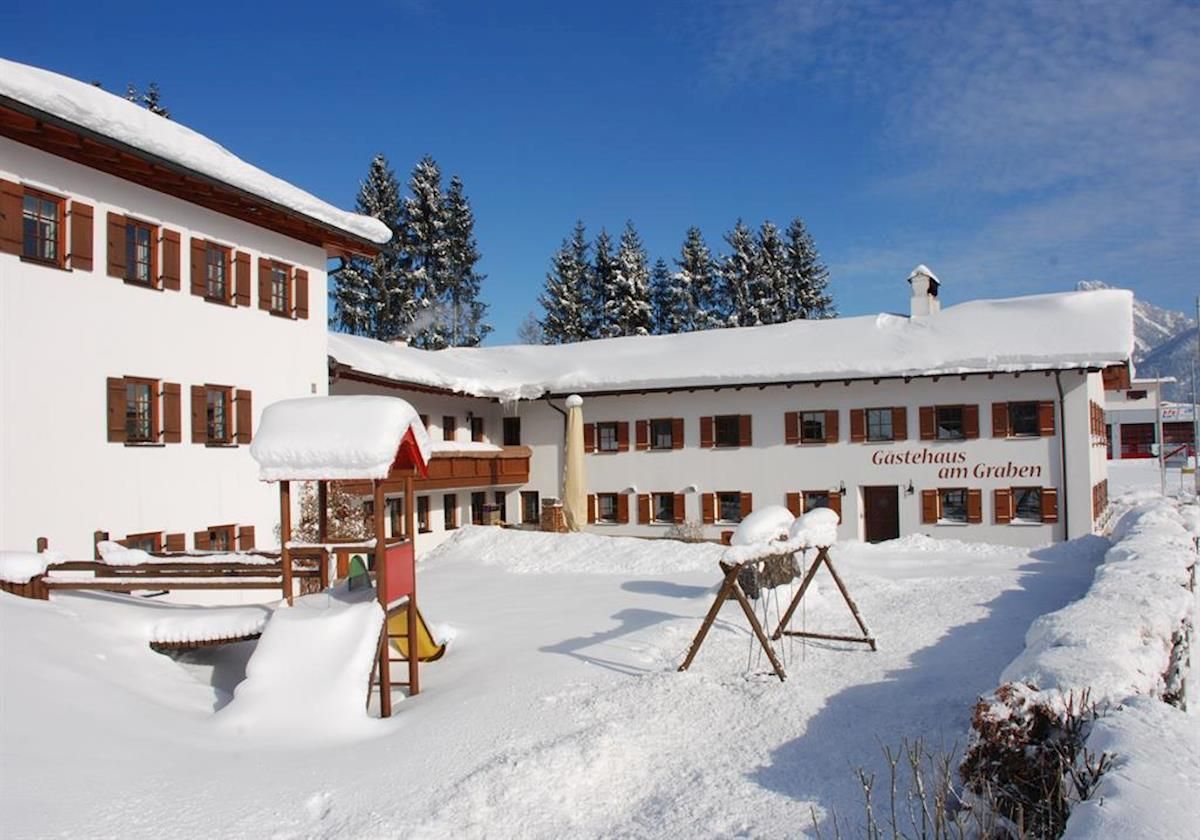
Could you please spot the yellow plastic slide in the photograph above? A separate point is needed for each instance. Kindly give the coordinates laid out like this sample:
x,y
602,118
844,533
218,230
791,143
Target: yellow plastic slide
x,y
427,649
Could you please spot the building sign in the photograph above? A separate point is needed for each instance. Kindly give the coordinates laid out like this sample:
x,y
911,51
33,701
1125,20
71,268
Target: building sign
x,y
955,464
1177,413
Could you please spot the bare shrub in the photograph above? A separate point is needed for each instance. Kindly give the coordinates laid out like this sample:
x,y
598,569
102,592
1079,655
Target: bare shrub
x,y
690,531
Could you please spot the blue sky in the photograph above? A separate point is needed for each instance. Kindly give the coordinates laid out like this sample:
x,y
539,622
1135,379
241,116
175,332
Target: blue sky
x,y
1012,147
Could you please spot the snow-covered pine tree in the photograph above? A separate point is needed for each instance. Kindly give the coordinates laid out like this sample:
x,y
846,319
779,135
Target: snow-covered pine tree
x,y
599,287
739,278
671,300
462,282
807,275
424,222
774,292
152,99
698,273
565,298
132,95
628,305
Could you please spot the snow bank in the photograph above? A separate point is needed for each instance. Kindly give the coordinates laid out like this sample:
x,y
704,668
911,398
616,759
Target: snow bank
x,y
91,108
1073,329
336,437
23,566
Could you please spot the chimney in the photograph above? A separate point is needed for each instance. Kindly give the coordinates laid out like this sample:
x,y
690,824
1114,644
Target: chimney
x,y
924,292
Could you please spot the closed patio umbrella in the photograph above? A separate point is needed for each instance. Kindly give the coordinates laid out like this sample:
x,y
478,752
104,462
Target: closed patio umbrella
x,y
574,480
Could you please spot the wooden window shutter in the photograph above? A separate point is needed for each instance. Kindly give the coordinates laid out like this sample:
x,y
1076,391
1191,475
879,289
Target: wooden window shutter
x,y
82,233
708,507
642,434
116,410
198,266
591,505
970,421
116,245
202,540
644,508
589,437
677,433
831,426
199,414
623,436
858,425
1049,504
11,224
747,501
175,542
264,283
793,504
929,507
745,437
706,432
243,415
974,506
835,505
172,413
1046,418
241,267
791,427
899,423
622,508
1000,420
1002,500
170,260
245,538
301,294
928,422
680,508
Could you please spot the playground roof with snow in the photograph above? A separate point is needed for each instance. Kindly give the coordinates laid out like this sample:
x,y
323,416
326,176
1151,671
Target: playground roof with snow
x,y
1086,329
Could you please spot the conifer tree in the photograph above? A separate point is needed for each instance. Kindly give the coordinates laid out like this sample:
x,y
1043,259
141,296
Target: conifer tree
x,y
599,288
628,304
740,290
671,297
698,273
565,299
807,275
461,281
425,245
774,292
152,99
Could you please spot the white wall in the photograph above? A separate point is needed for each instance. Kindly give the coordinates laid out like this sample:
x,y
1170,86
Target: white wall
x,y
62,333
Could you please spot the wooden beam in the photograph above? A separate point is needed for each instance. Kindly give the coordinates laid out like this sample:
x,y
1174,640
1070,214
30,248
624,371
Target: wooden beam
x,y
285,536
385,660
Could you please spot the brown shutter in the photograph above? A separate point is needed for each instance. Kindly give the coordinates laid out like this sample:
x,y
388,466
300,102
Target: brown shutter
x,y
301,293
744,436
591,504
793,504
1000,420
241,267
116,245
1049,504
747,500
589,437
831,426
170,260
264,283
201,540
243,415
974,506
622,508
1046,418
899,423
708,507
198,267
12,199
199,414
642,434
929,507
835,505
245,538
791,427
643,508
928,422
175,542
680,506
1002,500
623,436
82,232
971,421
677,433
172,414
858,425
116,410
706,432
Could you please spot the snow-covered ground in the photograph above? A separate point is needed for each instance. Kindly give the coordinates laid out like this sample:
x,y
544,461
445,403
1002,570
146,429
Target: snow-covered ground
x,y
556,712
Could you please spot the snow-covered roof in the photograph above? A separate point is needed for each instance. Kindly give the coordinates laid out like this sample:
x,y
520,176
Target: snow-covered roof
x,y
111,116
340,437
1037,332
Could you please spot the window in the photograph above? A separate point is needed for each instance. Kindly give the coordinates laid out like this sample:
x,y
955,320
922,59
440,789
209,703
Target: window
x,y
662,434
220,538
217,404
606,507
950,422
449,511
1023,419
606,437
395,516
530,507
729,507
500,500
478,500
41,218
477,429
512,431
423,514
141,410
662,507
727,430
216,272
879,424
814,499
1135,395
812,427
449,427
140,257
144,542
1027,504
953,504
280,289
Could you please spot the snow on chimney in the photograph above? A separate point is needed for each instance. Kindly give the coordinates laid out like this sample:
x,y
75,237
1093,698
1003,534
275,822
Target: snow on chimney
x,y
924,292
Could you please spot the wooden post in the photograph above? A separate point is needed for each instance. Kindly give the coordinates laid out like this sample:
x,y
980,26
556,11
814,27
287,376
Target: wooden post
x,y
322,511
42,544
285,536
414,659
97,538
385,670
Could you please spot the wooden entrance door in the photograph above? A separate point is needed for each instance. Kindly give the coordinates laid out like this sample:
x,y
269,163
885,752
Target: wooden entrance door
x,y
881,507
